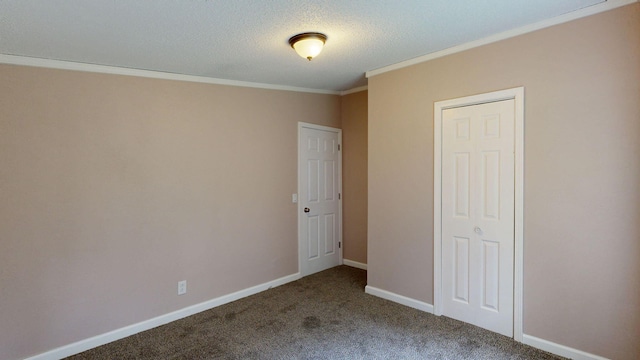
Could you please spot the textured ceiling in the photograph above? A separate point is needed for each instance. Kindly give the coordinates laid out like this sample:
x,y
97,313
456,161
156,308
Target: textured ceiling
x,y
247,40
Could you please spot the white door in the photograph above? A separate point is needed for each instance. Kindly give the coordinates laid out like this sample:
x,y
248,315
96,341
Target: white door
x,y
478,214
320,215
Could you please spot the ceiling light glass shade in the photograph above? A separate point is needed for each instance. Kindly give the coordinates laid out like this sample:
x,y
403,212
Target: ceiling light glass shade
x,y
308,45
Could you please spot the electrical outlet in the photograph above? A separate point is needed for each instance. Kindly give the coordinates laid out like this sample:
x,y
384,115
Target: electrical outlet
x,y
182,287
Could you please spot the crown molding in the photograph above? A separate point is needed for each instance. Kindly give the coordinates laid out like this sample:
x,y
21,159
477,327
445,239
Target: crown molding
x,y
354,90
114,70
584,12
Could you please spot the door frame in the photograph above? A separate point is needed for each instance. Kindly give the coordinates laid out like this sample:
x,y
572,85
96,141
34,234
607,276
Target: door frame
x,y
302,125
516,94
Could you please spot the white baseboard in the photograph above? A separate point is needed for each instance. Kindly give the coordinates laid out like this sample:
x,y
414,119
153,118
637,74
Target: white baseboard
x,y
387,295
121,333
558,349
90,343
354,264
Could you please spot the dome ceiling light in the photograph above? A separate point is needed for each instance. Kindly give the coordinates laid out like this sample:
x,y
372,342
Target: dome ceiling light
x,y
308,45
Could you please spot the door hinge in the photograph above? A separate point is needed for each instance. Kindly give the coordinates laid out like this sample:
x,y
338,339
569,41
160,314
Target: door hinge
x,y
339,196
338,147
339,245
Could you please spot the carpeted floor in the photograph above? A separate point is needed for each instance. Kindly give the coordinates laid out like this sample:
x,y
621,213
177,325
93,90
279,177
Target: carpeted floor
x,y
322,316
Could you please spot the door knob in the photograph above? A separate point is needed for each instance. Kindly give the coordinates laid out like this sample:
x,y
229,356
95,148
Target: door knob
x,y
477,230
307,210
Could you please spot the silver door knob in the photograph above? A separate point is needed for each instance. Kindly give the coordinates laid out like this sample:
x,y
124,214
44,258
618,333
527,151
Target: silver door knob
x,y
477,230
307,210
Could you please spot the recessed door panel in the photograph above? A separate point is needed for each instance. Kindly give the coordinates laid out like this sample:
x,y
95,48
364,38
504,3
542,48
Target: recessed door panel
x,y
313,236
330,234
330,145
490,186
461,186
313,180
491,126
329,180
461,269
313,144
463,131
490,275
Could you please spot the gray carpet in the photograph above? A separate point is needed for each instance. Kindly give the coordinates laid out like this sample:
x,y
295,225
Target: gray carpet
x,y
323,316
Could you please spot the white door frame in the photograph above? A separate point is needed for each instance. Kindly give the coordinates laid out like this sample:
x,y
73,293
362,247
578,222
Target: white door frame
x,y
301,256
518,95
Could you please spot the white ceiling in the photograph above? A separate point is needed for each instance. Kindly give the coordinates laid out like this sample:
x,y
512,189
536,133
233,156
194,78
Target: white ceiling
x,y
246,40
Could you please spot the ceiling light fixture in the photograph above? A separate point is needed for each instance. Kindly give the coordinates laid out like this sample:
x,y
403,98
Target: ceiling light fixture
x,y
308,45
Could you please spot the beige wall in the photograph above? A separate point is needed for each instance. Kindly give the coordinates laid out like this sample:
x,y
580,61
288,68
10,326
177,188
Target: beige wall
x,y
114,188
354,174
582,175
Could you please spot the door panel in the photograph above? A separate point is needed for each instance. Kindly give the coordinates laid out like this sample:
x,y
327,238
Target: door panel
x,y
461,178
329,180
313,180
461,276
330,241
490,185
491,274
478,214
319,186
